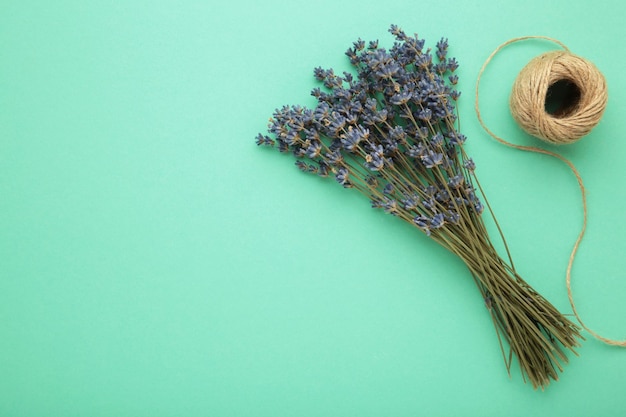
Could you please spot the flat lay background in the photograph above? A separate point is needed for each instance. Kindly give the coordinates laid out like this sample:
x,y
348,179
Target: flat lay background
x,y
155,262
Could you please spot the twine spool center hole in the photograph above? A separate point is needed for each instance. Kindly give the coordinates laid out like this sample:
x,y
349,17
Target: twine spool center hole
x,y
562,98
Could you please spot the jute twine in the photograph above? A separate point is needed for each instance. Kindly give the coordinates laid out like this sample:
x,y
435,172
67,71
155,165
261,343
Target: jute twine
x,y
583,107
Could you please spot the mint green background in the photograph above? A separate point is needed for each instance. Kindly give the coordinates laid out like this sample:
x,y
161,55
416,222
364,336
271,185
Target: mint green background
x,y
155,262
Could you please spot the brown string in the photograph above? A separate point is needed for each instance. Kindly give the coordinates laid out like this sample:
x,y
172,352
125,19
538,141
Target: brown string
x,y
579,84
568,278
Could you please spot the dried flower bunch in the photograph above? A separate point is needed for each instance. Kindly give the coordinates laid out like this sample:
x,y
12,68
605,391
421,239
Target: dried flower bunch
x,y
392,133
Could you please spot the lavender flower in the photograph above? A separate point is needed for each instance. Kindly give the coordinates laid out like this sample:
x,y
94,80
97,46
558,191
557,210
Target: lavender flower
x,y
452,217
401,98
313,150
353,137
389,130
342,176
456,181
442,49
390,206
423,223
301,166
437,221
416,151
388,188
469,165
432,159
375,160
410,202
429,203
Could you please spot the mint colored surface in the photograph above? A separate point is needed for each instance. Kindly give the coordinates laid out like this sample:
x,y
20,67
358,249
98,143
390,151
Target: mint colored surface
x,y
155,262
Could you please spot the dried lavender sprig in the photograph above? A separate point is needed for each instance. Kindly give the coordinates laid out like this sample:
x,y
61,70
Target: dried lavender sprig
x,y
392,133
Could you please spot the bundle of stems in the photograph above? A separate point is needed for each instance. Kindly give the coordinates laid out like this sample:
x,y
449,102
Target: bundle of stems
x,y
392,133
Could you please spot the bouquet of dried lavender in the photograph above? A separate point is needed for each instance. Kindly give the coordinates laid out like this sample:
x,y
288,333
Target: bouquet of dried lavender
x,y
392,133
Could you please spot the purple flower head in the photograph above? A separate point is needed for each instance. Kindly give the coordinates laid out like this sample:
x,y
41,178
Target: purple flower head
x,y
380,116
291,137
334,158
410,202
397,134
401,98
443,196
319,73
350,141
322,111
430,190
390,206
301,165
372,181
342,176
425,115
429,203
375,159
282,146
432,159
264,140
388,69
456,181
478,206
323,169
469,165
457,138
337,122
423,223
359,44
453,217
436,140
437,221
442,49
314,150
374,162
452,64
397,32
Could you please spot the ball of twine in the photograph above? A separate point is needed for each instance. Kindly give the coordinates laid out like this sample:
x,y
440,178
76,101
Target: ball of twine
x,y
559,97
